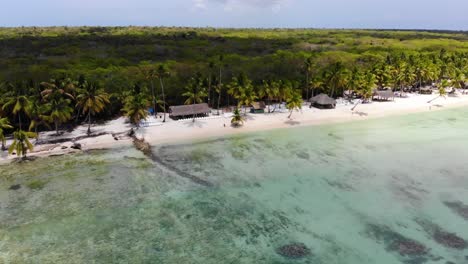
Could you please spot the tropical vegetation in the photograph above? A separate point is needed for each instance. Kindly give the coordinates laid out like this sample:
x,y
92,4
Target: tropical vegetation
x,y
60,77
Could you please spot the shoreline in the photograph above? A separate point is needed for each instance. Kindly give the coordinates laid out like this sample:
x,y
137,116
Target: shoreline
x,y
186,131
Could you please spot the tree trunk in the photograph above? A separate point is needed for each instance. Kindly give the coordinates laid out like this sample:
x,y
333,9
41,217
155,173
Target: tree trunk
x,y
219,100
193,114
164,99
89,123
56,127
154,97
307,85
290,114
209,90
19,119
37,135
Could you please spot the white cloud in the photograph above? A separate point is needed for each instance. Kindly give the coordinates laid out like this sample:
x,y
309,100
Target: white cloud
x,y
233,5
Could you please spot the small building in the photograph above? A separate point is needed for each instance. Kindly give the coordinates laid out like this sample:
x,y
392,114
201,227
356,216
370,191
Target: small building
x,y
258,107
187,111
383,95
425,90
323,101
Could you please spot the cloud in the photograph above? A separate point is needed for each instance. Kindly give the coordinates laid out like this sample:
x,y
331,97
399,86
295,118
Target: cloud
x,y
232,5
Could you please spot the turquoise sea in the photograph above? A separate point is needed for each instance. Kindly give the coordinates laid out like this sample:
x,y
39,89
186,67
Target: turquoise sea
x,y
386,191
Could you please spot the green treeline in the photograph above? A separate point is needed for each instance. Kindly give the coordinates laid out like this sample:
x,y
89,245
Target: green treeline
x,y
137,67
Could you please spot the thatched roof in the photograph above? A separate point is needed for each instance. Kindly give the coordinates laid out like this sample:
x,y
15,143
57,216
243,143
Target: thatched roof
x,y
259,105
386,94
323,99
186,110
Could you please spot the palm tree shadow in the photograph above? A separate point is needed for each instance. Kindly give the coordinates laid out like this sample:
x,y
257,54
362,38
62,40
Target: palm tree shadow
x,y
197,123
292,122
360,113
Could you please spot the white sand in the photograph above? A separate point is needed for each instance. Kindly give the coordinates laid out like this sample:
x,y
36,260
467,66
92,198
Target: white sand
x,y
186,130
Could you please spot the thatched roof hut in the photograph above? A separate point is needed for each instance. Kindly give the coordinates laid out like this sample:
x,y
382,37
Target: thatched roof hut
x,y
425,90
258,107
383,95
323,101
180,111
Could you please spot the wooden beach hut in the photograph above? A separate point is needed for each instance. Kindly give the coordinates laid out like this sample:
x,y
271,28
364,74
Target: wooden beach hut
x,y
425,90
258,107
383,95
323,101
187,111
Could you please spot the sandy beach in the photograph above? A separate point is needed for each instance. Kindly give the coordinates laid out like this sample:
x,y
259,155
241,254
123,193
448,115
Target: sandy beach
x,y
113,133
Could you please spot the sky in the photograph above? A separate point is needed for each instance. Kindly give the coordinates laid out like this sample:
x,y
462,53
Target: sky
x,y
398,14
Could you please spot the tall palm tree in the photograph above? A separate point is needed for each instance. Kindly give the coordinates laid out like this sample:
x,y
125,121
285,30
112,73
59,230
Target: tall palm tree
x,y
162,73
37,113
294,102
219,90
92,100
21,144
195,91
4,124
150,74
135,108
368,82
307,69
335,78
247,96
59,112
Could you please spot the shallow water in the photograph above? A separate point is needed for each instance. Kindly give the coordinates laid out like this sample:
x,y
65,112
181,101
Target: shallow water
x,y
393,190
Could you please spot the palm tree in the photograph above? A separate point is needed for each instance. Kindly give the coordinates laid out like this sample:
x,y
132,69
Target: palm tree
x,y
368,82
294,102
59,112
21,144
19,105
247,96
219,90
4,124
135,108
307,69
195,91
237,119
37,113
150,73
335,78
92,100
442,90
162,73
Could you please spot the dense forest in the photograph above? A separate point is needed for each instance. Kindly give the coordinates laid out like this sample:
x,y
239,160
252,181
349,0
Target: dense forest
x,y
51,77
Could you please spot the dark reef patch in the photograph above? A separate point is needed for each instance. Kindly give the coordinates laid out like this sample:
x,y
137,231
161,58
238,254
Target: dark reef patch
x,y
15,187
441,236
458,208
294,251
396,242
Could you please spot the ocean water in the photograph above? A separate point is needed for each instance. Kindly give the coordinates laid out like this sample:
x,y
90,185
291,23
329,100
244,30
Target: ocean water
x,y
392,190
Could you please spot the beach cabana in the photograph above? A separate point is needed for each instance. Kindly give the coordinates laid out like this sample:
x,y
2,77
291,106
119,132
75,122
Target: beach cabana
x,y
258,107
383,95
425,90
187,111
323,101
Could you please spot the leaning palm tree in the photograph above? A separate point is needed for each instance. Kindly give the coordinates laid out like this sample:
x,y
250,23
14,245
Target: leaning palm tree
x,y
195,92
162,73
237,119
17,105
21,144
92,100
294,102
135,108
442,90
4,124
